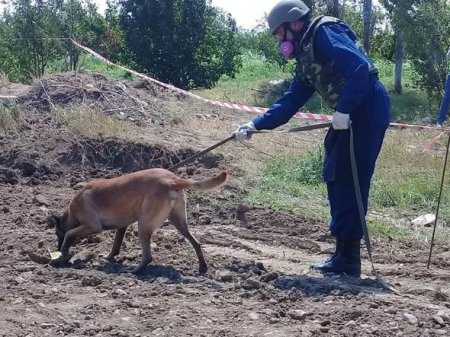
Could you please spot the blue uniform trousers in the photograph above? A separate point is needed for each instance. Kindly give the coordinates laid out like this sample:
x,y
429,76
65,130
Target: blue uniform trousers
x,y
369,122
445,104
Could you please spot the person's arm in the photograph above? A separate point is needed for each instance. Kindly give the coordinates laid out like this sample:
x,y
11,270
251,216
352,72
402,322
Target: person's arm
x,y
333,43
287,106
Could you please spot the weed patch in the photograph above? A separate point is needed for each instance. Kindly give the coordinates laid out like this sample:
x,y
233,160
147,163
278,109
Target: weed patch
x,y
9,118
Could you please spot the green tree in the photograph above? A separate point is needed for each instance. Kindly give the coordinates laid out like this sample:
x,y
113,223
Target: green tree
x,y
33,29
185,42
423,26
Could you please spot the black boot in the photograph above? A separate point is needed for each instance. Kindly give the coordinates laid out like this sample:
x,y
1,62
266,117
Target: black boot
x,y
348,261
335,254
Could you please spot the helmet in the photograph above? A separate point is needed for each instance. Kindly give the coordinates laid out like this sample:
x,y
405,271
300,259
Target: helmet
x,y
286,11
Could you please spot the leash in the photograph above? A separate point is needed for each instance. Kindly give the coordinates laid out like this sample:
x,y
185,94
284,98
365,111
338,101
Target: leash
x,y
355,182
439,201
363,217
201,153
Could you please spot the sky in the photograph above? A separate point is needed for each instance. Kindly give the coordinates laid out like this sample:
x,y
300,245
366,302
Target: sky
x,y
245,12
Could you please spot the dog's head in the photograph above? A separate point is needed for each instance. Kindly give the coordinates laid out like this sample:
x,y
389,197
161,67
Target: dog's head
x,y
59,222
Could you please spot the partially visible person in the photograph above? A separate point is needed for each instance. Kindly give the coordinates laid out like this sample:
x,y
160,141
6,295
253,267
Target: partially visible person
x,y
331,62
445,104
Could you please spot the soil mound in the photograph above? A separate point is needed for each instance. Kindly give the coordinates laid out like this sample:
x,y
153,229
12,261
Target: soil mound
x,y
130,100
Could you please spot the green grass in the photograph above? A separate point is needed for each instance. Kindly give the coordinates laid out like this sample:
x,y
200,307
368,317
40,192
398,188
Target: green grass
x,y
9,118
294,184
406,180
250,87
89,62
412,104
245,87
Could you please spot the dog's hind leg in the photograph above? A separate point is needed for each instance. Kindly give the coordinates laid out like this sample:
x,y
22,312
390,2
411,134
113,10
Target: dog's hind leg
x,y
120,233
150,219
178,218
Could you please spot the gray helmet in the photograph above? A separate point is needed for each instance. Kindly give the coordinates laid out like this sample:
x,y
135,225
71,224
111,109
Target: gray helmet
x,y
286,11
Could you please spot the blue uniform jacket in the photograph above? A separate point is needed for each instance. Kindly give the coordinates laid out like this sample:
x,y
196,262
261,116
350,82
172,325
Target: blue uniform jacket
x,y
363,98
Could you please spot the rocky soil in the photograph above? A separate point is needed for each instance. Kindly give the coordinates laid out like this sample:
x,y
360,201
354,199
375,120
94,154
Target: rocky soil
x,y
258,282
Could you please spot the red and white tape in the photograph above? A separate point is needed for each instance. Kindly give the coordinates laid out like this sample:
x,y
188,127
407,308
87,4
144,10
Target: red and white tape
x,y
234,106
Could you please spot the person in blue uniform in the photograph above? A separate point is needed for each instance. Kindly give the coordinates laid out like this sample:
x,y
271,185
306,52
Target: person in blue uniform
x,y
330,61
445,104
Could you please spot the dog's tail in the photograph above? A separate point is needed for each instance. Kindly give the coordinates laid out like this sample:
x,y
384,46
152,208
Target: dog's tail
x,y
202,185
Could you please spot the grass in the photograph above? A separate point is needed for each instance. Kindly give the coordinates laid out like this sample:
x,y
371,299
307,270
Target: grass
x,y
405,185
89,62
245,87
293,184
250,87
86,121
9,118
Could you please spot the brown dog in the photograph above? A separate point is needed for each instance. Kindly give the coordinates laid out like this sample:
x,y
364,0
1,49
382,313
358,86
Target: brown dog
x,y
148,197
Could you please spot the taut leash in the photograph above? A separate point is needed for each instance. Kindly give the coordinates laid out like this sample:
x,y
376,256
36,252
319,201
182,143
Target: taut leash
x,y
201,153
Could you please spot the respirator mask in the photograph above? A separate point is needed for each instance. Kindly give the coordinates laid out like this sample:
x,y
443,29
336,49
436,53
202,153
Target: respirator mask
x,y
285,46
286,49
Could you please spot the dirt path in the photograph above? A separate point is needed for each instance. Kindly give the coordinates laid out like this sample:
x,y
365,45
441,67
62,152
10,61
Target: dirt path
x,y
258,281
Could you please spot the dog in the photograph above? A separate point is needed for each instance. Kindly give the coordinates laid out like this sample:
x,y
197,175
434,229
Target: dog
x,y
149,197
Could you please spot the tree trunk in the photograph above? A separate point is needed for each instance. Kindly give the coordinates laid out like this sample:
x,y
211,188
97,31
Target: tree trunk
x,y
399,51
336,8
367,15
333,8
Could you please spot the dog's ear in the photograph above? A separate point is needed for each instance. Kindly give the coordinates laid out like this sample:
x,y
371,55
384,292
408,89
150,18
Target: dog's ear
x,y
53,221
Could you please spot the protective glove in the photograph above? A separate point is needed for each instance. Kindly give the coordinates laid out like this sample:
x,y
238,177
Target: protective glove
x,y
341,121
242,132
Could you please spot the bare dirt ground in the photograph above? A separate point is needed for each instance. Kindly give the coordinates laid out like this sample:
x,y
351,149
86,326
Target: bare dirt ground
x,y
258,282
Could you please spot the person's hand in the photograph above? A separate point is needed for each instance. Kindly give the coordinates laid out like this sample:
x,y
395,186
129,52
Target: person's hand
x,y
242,132
341,121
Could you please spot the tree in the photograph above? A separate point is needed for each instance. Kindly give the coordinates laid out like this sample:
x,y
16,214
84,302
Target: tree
x,y
423,28
367,15
32,37
188,43
333,7
399,52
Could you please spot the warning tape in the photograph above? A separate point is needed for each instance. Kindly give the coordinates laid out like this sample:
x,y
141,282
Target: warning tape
x,y
234,106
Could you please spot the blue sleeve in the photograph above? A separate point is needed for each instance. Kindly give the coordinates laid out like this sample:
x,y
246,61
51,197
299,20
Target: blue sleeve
x,y
336,43
286,107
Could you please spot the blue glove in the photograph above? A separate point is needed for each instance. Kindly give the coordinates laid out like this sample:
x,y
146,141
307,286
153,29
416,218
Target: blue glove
x,y
242,132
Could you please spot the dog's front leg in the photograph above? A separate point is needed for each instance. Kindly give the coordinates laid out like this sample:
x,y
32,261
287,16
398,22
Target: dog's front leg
x,y
69,238
120,233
